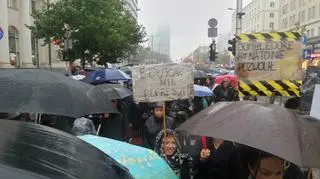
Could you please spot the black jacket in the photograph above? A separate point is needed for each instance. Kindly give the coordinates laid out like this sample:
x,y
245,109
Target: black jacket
x,y
221,164
152,127
220,94
115,127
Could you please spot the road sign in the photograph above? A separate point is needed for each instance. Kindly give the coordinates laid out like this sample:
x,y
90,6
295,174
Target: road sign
x,y
304,39
307,53
1,33
212,32
213,22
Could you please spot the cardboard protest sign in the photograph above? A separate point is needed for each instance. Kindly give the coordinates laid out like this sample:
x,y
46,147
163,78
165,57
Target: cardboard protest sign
x,y
269,56
162,82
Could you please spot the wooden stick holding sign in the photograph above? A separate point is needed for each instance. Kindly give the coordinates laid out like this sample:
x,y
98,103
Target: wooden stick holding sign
x,y
164,121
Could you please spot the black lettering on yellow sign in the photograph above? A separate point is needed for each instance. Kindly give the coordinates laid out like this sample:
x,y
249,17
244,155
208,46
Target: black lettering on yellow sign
x,y
256,66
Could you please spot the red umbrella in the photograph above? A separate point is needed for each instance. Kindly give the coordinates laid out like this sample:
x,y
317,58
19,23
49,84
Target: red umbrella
x,y
233,79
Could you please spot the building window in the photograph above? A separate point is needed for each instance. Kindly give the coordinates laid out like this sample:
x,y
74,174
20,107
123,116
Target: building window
x,y
312,32
313,12
271,25
271,15
319,31
271,4
303,16
13,4
292,5
13,44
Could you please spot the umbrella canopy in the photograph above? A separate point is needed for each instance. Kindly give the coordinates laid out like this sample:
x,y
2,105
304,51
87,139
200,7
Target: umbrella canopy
x,y
141,162
267,127
233,80
115,91
200,74
202,91
40,91
34,151
105,75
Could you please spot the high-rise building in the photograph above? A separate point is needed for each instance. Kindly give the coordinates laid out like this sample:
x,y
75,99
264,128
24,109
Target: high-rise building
x,y
160,42
132,7
260,16
303,16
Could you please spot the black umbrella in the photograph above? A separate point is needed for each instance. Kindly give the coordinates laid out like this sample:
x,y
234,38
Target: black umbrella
x,y
270,128
33,151
40,91
200,74
115,91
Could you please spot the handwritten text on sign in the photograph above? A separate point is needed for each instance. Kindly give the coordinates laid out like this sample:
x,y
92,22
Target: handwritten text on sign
x,y
163,82
274,60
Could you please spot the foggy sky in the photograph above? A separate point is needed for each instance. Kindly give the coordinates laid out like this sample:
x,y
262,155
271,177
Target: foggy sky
x,y
188,20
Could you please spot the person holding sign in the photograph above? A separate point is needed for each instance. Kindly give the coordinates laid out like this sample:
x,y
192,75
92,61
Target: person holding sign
x,y
154,125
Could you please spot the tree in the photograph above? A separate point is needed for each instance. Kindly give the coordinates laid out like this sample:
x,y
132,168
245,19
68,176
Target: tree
x,y
100,28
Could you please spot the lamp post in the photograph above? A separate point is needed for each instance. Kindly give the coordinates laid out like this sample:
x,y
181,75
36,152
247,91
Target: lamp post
x,y
239,15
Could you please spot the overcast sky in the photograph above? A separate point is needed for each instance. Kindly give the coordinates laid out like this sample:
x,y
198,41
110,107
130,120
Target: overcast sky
x,y
187,19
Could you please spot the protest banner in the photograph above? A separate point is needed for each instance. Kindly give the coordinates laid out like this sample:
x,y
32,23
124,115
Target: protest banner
x,y
269,56
162,82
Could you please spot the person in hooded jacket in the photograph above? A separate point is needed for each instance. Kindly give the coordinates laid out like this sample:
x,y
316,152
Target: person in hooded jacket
x,y
167,146
225,92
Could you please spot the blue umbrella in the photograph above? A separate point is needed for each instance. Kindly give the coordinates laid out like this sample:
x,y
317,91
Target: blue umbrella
x,y
202,91
105,75
141,162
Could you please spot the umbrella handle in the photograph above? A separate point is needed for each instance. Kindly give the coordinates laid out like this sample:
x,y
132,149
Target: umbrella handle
x,y
98,130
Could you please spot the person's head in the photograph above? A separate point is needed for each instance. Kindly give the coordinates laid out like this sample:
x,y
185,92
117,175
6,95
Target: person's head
x,y
208,81
83,126
158,110
225,83
169,144
269,167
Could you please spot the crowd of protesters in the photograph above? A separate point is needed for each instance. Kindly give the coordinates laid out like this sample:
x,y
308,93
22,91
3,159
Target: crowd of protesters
x,y
189,156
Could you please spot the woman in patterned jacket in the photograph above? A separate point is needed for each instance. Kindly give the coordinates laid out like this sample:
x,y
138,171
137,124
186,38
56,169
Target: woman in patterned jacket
x,y
169,149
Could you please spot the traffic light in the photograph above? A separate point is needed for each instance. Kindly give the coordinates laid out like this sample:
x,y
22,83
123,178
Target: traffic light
x,y
232,48
212,53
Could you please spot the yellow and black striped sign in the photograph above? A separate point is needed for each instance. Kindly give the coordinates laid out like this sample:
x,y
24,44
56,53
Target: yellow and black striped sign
x,y
270,88
274,36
